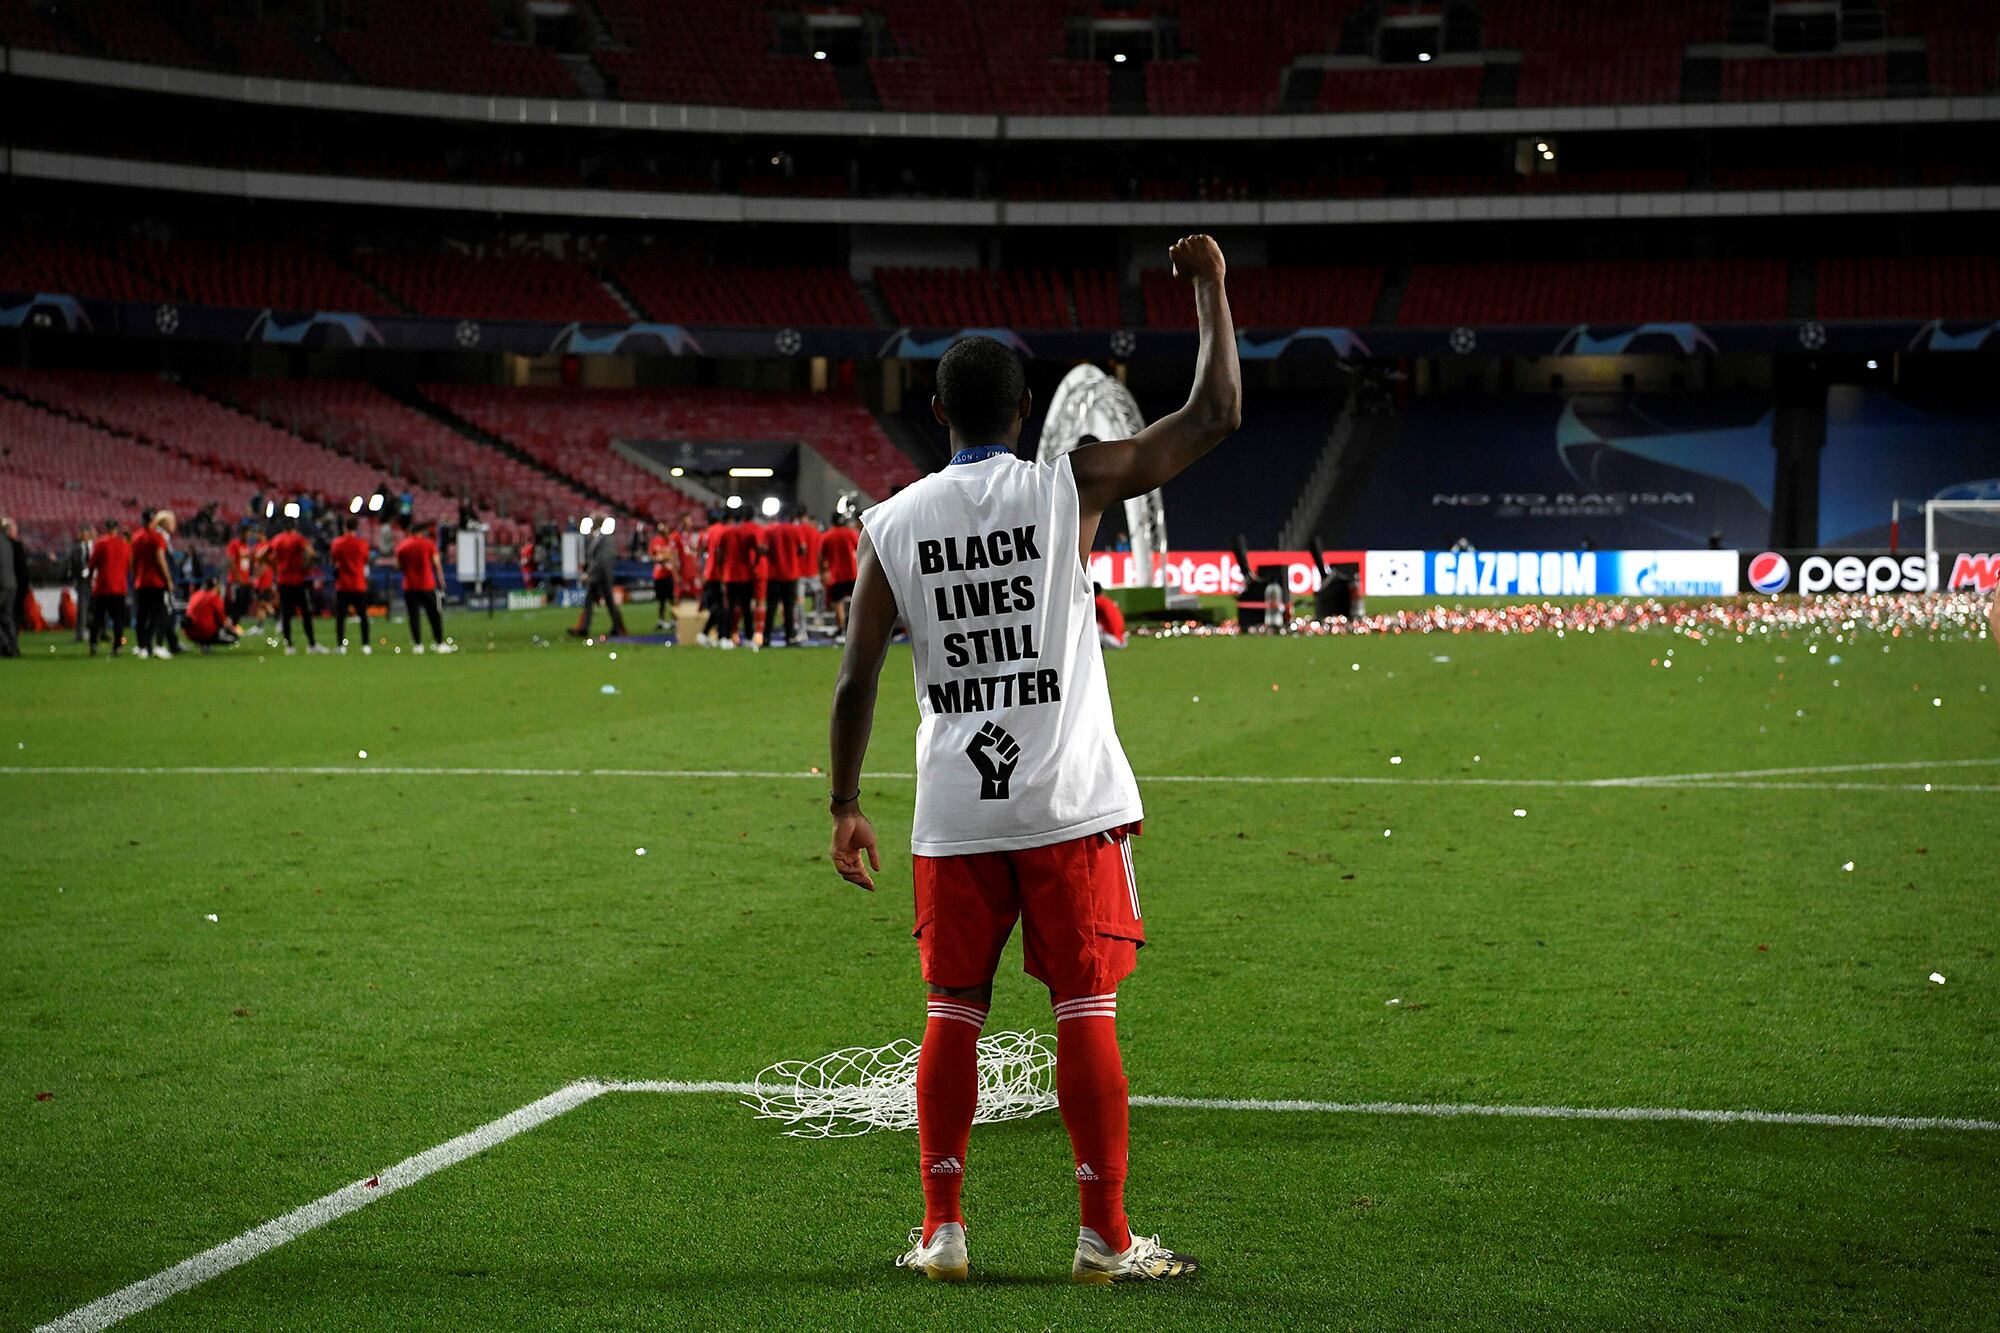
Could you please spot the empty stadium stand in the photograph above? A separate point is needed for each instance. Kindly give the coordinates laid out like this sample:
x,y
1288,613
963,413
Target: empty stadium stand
x,y
368,425
1601,291
493,286
962,56
686,292
572,430
202,431
1273,298
1930,287
1009,298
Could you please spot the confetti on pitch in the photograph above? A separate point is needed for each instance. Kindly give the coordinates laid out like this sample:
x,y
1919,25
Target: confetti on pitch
x,y
1395,759
1394,1000
1937,703
1519,813
212,917
639,851
1847,865
373,1183
45,1096
1938,977
1386,832
361,754
614,657
607,689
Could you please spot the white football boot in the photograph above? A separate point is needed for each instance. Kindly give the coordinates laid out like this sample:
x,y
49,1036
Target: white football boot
x,y
943,1258
1145,1261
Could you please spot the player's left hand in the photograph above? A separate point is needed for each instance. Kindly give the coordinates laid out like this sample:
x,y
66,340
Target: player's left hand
x,y
853,835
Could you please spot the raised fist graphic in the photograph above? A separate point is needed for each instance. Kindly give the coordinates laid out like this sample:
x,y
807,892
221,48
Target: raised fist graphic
x,y
994,753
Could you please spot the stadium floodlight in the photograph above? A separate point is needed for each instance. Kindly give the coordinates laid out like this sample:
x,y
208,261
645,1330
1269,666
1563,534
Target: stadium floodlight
x,y
584,527
752,472
677,472
772,504
291,509
375,503
354,505
1119,58
819,55
1423,57
735,502
1874,364
608,525
1541,145
270,509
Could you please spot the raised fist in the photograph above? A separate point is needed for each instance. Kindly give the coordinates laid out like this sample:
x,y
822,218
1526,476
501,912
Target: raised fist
x,y
1197,258
994,753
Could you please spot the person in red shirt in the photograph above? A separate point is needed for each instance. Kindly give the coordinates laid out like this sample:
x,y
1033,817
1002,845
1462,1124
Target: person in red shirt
x,y
241,573
737,563
423,574
527,553
784,543
1110,620
264,589
153,586
291,557
837,568
207,621
690,544
110,576
349,553
714,596
665,551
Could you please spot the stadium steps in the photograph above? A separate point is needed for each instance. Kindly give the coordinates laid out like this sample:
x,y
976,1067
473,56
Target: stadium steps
x,y
583,72
390,298
621,296
1131,305
922,450
1298,526
878,308
1300,85
1802,288
1371,432
1389,301
410,398
857,87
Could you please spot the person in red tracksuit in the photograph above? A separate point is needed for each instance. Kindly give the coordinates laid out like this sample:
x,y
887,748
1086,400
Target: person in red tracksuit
x,y
349,552
110,578
784,545
291,557
665,551
737,562
839,566
690,548
714,595
207,621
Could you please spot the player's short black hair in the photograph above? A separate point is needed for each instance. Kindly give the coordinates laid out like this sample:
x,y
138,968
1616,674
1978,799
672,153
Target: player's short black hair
x,y
979,381
352,522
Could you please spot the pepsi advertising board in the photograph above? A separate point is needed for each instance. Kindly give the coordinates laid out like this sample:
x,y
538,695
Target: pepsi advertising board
x,y
1551,574
1810,573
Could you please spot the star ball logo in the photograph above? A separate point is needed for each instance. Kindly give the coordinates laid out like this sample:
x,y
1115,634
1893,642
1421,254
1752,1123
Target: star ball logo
x,y
1770,572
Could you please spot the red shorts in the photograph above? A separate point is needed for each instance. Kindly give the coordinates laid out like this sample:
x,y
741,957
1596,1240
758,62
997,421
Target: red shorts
x,y
1078,902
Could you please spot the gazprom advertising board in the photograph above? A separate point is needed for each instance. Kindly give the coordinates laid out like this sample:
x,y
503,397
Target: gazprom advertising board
x,y
1551,574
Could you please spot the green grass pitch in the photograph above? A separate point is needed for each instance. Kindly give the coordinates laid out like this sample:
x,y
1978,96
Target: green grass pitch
x,y
398,959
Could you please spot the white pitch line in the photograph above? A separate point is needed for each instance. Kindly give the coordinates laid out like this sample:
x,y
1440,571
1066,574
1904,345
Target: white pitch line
x,y
144,1295
189,1273
1720,781
1814,769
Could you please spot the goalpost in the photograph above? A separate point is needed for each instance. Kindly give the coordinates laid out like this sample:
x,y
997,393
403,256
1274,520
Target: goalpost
x,y
1970,527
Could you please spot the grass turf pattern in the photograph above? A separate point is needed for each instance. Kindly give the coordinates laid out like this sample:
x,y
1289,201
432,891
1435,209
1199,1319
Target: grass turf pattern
x,y
397,959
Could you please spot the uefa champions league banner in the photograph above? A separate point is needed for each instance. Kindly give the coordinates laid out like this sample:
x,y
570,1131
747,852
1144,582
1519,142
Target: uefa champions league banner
x,y
1551,573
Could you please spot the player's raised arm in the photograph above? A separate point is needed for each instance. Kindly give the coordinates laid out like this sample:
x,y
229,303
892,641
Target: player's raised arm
x,y
871,620
1120,469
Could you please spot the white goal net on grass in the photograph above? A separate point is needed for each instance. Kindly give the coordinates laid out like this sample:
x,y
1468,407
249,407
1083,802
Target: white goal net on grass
x,y
1958,533
859,1089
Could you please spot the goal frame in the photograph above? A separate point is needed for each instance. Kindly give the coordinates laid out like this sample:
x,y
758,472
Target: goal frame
x,y
1939,576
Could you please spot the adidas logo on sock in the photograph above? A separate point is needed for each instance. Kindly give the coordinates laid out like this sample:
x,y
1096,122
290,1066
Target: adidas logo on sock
x,y
1085,1173
950,1166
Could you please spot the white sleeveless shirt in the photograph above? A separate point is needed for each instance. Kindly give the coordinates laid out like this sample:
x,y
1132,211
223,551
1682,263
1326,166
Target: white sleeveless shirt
x,y
1016,746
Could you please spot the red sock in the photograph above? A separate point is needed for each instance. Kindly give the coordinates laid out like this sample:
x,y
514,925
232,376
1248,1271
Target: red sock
x,y
947,1095
1090,1085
